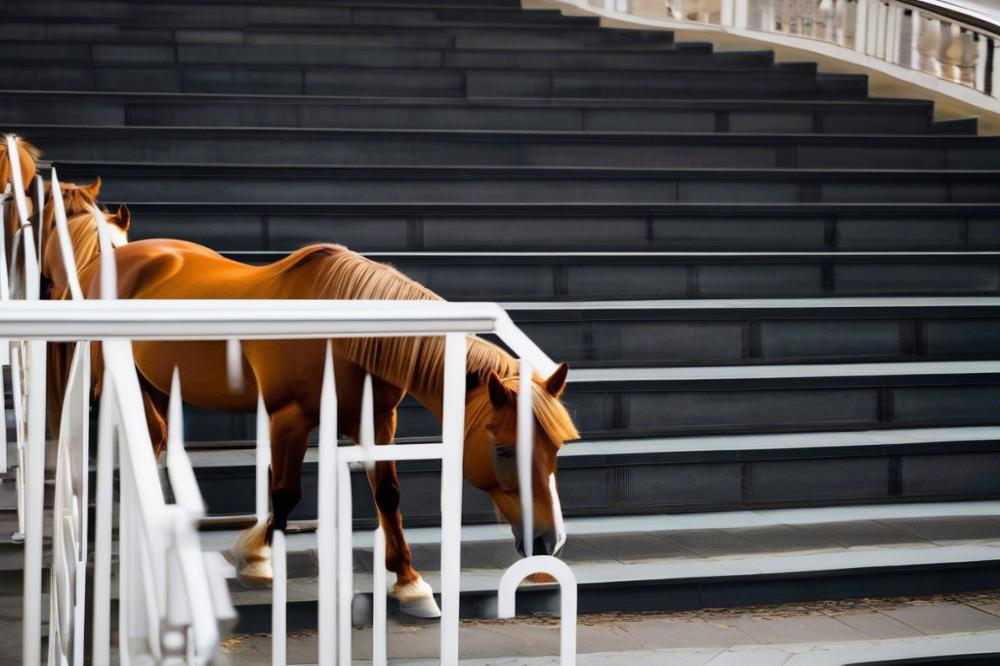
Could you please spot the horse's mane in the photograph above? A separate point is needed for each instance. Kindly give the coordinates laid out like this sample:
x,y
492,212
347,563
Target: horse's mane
x,y
83,236
346,275
413,361
27,154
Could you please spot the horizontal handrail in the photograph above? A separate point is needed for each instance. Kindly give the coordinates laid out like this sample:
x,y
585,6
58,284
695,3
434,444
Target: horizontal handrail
x,y
260,319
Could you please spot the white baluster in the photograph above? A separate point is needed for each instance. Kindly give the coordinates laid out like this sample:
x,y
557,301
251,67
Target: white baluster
x,y
525,453
279,598
65,244
326,537
453,438
263,485
379,638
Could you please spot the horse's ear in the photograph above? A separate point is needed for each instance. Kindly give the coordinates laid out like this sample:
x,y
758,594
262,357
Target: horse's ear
x,y
123,217
556,383
92,189
499,395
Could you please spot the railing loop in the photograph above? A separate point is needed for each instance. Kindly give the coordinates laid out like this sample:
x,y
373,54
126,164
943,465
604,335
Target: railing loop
x,y
507,592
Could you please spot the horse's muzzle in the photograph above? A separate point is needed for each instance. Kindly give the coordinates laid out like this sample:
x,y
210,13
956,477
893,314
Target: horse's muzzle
x,y
544,544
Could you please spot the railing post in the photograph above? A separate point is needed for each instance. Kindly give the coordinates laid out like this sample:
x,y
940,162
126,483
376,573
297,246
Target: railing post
x,y
861,26
525,444
65,244
263,460
102,531
379,638
506,598
279,598
453,438
34,504
345,563
326,537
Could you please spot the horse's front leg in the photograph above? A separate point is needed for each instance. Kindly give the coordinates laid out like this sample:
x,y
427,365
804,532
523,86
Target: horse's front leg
x,y
290,428
415,596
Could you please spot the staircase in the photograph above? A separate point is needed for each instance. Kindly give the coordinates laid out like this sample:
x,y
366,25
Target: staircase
x,y
779,296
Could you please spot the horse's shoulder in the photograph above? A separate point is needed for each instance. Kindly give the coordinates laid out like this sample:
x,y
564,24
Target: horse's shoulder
x,y
141,266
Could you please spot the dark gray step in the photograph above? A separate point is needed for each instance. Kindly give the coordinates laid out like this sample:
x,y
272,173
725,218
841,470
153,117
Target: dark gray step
x,y
357,13
495,148
609,276
959,126
701,560
133,31
283,184
692,333
569,227
738,400
694,57
797,82
677,475
192,110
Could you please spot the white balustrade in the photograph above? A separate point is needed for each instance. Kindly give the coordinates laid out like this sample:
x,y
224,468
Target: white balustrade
x,y
955,49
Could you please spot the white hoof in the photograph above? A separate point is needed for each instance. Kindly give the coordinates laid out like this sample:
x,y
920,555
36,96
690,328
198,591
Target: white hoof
x,y
416,599
251,555
256,574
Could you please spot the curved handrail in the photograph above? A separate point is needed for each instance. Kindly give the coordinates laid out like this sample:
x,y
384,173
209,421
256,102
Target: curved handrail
x,y
944,47
506,597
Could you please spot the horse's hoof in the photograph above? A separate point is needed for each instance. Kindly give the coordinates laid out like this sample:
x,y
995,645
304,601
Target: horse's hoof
x,y
416,599
256,574
424,608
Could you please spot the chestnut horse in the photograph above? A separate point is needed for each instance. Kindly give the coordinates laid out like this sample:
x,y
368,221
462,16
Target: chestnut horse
x,y
288,376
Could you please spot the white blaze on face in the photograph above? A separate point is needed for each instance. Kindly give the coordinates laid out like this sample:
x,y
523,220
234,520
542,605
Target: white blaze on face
x,y
557,517
117,235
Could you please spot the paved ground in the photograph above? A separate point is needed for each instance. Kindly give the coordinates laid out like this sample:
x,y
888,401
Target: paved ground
x,y
690,637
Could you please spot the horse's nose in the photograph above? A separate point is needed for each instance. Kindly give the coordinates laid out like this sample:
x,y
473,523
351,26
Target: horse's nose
x,y
545,544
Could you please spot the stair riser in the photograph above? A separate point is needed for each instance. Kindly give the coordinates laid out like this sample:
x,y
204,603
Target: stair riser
x,y
277,185
672,483
290,14
134,31
864,119
748,84
676,341
686,595
644,409
379,57
710,152
554,231
479,278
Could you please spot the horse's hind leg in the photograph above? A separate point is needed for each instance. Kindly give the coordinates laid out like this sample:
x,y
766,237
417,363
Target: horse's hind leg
x,y
290,428
155,403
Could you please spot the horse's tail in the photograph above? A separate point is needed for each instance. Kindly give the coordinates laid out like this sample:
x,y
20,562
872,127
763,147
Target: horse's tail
x,y
27,155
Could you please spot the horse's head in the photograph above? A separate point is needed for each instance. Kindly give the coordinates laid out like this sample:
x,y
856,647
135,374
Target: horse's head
x,y
82,226
491,435
27,156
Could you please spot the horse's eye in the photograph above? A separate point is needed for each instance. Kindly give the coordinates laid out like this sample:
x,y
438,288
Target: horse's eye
x,y
505,451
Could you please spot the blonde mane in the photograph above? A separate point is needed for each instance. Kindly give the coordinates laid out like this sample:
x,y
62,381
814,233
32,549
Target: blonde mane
x,y
86,248
415,362
27,155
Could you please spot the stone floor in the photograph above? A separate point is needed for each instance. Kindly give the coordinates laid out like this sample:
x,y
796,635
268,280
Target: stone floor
x,y
688,637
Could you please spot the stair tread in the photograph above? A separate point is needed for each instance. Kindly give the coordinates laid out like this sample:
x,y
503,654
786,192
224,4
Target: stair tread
x,y
237,453
825,370
748,544
194,133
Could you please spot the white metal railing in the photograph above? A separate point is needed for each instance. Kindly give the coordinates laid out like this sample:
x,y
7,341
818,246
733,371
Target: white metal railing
x,y
171,602
152,532
946,47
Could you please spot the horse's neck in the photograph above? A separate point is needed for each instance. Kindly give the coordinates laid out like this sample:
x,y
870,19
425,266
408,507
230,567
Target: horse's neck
x,y
427,382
